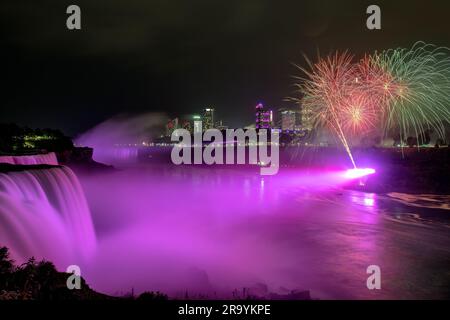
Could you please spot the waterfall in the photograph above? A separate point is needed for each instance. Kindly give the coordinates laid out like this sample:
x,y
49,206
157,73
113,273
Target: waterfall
x,y
49,158
116,155
44,213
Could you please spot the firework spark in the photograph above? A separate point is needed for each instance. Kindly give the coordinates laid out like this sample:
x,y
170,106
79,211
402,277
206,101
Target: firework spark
x,y
414,91
327,90
407,90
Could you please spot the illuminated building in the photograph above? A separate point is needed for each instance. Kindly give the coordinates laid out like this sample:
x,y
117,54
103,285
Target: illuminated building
x,y
197,126
307,118
220,126
290,120
187,121
208,119
264,117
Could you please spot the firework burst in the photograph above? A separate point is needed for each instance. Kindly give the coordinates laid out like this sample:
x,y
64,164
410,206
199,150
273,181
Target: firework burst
x,y
328,91
414,89
407,90
358,114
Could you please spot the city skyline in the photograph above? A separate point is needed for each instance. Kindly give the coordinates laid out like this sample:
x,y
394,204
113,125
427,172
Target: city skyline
x,y
289,120
170,57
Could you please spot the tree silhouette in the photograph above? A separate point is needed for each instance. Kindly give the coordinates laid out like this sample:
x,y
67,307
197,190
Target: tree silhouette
x,y
6,268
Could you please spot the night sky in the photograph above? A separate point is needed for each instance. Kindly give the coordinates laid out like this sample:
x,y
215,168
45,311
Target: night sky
x,y
181,56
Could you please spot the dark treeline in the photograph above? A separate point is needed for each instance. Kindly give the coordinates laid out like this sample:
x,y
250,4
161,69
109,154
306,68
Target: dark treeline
x,y
18,140
39,280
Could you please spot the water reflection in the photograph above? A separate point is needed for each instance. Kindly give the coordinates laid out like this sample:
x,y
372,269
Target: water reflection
x,y
295,230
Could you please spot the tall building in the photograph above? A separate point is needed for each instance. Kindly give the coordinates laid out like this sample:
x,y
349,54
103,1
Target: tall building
x,y
290,120
220,126
208,119
197,125
264,117
307,118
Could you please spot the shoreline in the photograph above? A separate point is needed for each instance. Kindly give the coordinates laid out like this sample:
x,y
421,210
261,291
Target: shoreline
x,y
407,170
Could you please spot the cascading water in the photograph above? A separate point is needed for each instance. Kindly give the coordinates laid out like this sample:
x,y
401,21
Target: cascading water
x,y
44,213
49,158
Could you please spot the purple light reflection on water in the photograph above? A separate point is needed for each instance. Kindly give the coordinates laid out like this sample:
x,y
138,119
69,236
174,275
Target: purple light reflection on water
x,y
369,202
198,229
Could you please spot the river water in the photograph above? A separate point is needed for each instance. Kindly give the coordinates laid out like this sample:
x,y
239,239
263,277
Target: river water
x,y
210,232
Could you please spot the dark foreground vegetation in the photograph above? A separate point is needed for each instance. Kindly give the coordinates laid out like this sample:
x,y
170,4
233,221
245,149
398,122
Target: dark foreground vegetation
x,y
39,280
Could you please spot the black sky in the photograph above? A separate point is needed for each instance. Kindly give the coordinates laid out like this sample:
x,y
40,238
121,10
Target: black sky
x,y
181,56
